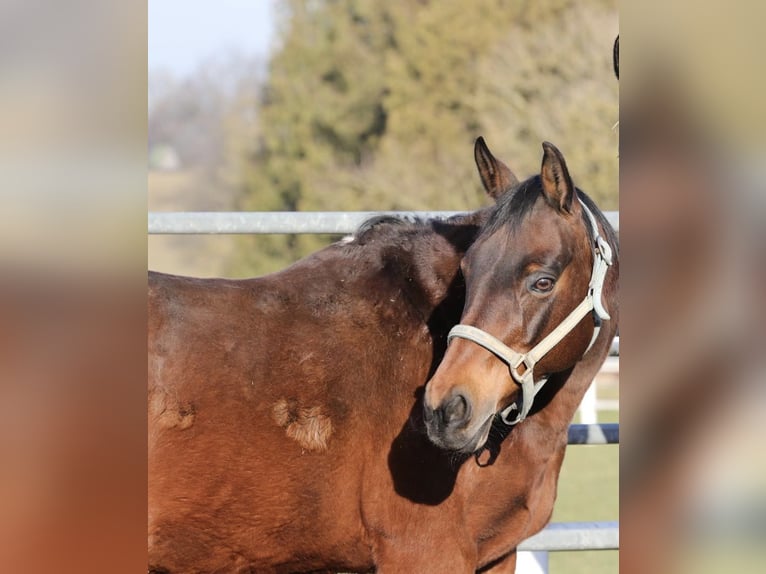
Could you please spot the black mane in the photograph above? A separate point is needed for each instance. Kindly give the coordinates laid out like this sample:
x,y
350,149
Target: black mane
x,y
513,206
384,225
516,204
395,229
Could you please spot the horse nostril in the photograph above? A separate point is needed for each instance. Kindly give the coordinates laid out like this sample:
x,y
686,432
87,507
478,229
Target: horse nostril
x,y
456,409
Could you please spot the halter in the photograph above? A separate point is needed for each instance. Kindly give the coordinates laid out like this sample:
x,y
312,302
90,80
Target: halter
x,y
602,259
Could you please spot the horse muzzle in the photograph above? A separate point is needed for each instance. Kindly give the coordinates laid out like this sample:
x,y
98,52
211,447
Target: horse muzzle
x,y
450,425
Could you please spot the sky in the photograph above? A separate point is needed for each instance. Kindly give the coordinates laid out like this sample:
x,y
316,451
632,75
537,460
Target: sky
x,y
184,33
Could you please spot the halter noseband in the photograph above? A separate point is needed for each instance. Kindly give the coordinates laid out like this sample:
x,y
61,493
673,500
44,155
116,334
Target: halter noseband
x,y
602,259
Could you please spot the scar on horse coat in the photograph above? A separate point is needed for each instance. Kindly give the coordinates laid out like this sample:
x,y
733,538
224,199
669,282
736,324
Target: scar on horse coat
x,y
309,427
285,415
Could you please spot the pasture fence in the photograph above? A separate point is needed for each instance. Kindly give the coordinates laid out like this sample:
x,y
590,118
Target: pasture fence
x,y
274,222
533,552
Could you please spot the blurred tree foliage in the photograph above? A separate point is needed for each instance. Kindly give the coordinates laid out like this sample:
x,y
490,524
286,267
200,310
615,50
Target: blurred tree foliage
x,y
375,105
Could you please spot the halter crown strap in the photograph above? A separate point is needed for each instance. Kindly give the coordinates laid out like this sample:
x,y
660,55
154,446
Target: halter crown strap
x,y
602,259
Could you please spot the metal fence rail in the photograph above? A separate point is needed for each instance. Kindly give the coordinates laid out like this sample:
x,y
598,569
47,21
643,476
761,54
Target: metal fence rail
x,y
560,536
263,222
602,433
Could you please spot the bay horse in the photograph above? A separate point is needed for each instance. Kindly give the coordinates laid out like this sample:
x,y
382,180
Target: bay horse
x,y
540,313
286,429
279,438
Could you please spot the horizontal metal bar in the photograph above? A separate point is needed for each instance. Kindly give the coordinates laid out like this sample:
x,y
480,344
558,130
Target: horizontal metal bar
x,y
262,222
602,433
334,222
561,536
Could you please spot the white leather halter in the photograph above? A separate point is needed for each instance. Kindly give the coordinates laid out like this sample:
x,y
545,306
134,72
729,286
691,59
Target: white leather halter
x,y
602,259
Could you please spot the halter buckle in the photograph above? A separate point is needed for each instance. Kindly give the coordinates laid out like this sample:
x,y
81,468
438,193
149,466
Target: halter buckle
x,y
506,413
521,359
604,250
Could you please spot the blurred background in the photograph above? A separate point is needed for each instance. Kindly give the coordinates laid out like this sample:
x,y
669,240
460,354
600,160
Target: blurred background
x,y
354,105
692,207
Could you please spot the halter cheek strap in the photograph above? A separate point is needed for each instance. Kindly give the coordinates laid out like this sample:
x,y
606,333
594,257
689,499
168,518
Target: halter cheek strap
x,y
602,259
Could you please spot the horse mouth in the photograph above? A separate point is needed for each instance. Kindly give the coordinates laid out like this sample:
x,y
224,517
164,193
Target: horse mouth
x,y
482,435
459,443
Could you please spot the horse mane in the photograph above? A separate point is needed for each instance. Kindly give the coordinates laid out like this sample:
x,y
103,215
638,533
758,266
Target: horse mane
x,y
516,204
513,206
384,225
394,229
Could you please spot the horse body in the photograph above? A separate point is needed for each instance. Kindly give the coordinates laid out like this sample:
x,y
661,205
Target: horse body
x,y
286,428
273,401
242,423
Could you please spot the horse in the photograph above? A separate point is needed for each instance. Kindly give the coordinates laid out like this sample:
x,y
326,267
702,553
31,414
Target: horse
x,y
278,437
286,413
540,313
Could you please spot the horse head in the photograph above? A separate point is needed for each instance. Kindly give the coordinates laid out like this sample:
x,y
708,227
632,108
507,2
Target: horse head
x,y
533,308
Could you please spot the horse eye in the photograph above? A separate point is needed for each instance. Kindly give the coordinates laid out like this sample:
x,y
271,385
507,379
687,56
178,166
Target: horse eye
x,y
544,284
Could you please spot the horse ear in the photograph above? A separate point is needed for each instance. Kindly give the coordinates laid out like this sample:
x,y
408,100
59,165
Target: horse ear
x,y
496,177
557,185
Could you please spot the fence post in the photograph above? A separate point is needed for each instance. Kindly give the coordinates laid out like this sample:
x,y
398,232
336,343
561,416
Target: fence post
x,y
528,562
588,406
